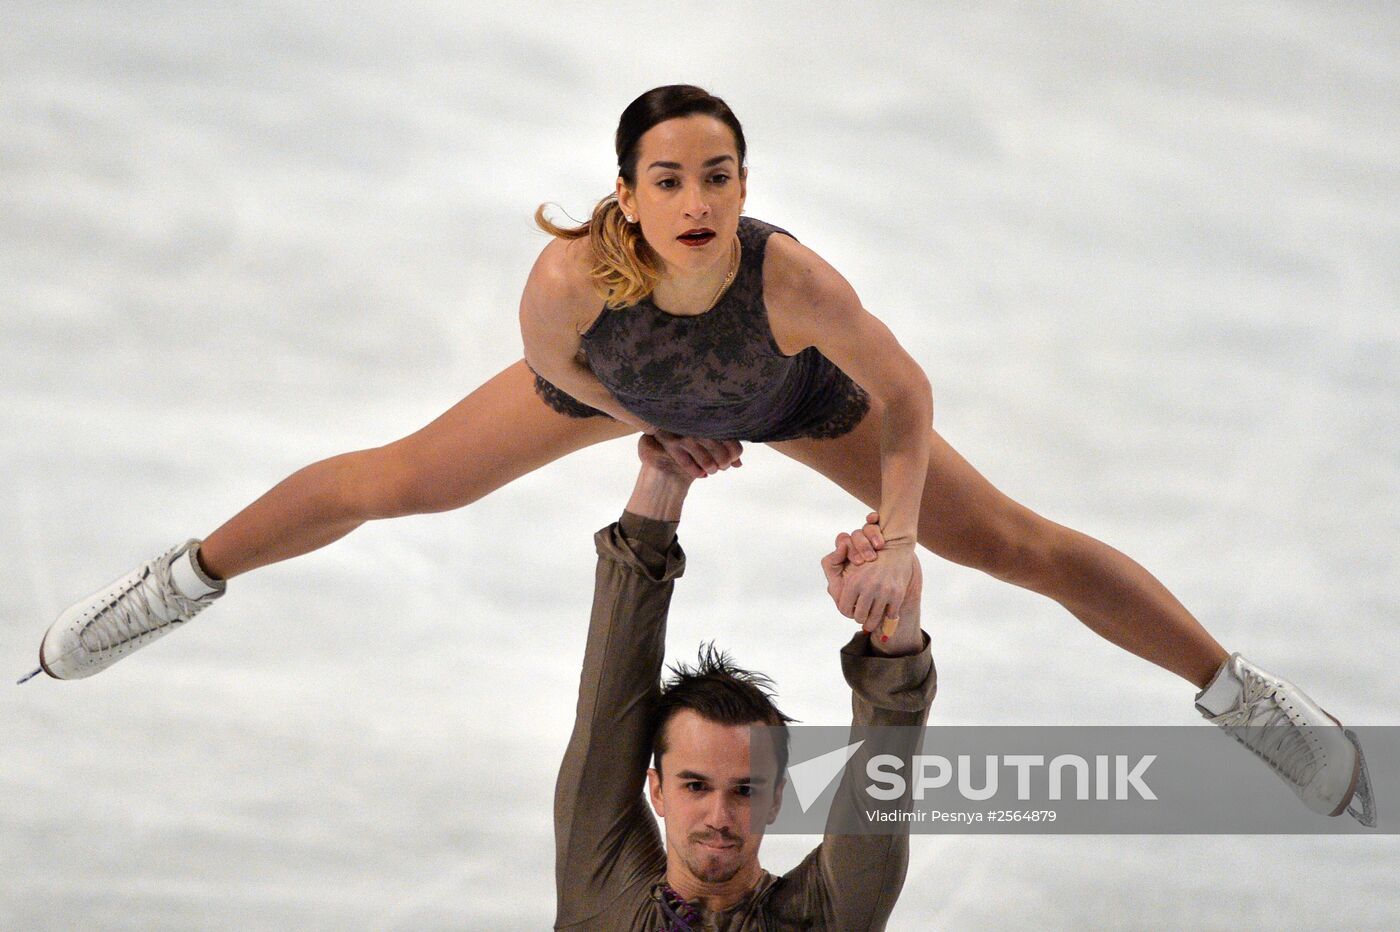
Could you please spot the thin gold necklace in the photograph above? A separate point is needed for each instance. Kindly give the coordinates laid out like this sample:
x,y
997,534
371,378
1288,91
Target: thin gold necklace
x,y
734,253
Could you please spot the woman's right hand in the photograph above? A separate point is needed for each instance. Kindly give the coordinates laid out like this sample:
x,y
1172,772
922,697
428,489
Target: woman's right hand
x,y
699,456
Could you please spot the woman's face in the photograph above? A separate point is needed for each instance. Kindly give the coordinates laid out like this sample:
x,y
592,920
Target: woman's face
x,y
690,192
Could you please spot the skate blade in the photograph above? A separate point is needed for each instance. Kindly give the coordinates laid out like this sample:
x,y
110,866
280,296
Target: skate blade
x,y
29,676
1362,807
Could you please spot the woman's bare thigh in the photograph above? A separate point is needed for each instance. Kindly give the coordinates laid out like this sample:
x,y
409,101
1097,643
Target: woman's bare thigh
x,y
498,433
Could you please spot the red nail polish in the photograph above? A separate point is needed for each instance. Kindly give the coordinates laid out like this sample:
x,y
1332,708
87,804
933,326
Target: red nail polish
x,y
884,638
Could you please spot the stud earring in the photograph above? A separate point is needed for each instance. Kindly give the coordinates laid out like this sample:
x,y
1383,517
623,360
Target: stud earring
x,y
631,219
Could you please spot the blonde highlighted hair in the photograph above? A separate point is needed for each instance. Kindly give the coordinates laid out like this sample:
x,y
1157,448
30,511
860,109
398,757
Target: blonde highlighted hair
x,y
625,269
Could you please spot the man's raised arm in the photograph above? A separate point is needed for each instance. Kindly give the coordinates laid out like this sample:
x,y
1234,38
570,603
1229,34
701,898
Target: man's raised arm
x,y
859,876
606,839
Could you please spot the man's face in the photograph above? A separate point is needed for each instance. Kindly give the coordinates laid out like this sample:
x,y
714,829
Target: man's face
x,y
710,794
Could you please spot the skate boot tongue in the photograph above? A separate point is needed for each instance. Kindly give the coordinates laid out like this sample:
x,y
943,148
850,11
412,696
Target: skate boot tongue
x,y
189,577
1224,692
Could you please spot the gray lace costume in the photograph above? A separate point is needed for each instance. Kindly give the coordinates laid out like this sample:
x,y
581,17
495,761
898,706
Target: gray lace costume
x,y
719,374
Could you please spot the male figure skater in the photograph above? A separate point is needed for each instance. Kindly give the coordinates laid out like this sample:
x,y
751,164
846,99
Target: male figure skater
x,y
714,793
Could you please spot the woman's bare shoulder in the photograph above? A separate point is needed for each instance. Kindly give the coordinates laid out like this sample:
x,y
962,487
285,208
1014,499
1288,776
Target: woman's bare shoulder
x,y
559,287
796,279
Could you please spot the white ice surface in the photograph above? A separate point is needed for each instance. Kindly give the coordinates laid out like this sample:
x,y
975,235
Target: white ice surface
x,y
1149,255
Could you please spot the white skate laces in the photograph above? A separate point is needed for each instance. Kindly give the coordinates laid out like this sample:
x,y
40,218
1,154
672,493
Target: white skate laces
x,y
144,605
1301,742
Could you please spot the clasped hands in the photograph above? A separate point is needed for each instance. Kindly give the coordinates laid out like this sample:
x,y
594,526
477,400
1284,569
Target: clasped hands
x,y
868,578
696,457
872,580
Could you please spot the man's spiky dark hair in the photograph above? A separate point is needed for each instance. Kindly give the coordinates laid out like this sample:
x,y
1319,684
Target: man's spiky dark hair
x,y
718,690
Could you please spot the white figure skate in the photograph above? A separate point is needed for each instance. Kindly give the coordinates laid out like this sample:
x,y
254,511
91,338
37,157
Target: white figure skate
x,y
145,604
1320,761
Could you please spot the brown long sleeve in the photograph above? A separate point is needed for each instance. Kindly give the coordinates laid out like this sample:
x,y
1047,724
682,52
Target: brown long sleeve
x,y
608,849
854,880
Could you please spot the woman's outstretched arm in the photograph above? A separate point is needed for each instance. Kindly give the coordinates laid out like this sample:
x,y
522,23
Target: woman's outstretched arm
x,y
810,304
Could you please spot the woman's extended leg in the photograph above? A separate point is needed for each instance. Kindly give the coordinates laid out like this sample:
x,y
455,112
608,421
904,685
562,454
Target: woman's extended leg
x,y
497,433
965,519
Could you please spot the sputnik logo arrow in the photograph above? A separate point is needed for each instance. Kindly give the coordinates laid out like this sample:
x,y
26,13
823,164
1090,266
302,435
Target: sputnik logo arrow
x,y
810,778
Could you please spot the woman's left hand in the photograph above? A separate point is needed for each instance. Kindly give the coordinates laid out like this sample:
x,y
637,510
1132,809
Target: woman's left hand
x,y
874,583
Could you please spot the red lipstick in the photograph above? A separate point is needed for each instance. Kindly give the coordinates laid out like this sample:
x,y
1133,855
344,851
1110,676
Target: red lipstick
x,y
697,237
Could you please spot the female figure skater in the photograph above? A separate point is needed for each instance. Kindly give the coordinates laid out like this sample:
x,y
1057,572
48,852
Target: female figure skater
x,y
670,313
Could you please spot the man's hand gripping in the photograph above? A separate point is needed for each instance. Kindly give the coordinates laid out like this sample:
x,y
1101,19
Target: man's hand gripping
x,y
899,631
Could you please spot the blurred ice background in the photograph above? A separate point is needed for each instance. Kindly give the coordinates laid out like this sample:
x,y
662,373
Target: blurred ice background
x,y
1149,255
